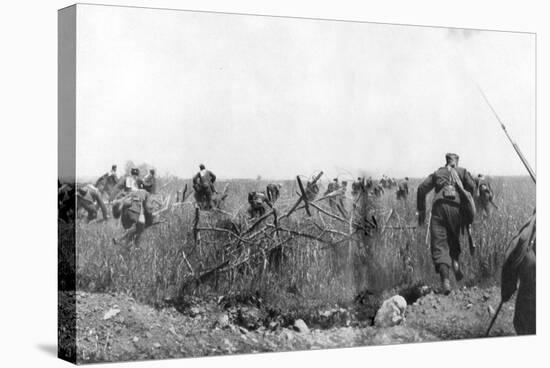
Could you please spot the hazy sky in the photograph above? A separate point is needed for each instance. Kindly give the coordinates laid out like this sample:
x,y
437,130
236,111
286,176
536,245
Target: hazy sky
x,y
276,97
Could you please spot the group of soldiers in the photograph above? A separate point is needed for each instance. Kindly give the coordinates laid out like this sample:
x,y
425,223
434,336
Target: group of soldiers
x,y
451,214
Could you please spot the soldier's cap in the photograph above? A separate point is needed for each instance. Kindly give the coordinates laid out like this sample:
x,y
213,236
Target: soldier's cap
x,y
152,171
202,167
134,171
335,179
451,156
113,167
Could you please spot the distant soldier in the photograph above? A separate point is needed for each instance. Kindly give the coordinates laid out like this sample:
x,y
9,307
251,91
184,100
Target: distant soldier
x,y
332,187
312,189
378,190
137,210
258,202
89,198
273,192
357,187
344,187
484,194
113,173
203,184
403,189
369,185
520,266
450,183
108,181
150,182
133,182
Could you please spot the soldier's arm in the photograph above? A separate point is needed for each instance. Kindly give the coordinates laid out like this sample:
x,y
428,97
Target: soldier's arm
x,y
423,189
196,178
213,176
468,182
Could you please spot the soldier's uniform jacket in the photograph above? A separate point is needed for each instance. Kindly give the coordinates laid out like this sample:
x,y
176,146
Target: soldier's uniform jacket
x,y
88,193
332,186
207,177
150,183
404,186
520,245
445,188
356,187
520,266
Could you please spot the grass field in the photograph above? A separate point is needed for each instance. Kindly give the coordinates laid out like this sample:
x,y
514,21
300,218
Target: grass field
x,y
167,254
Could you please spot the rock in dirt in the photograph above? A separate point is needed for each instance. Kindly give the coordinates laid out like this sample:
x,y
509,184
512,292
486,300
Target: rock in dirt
x,y
194,311
111,313
300,326
392,312
222,321
249,317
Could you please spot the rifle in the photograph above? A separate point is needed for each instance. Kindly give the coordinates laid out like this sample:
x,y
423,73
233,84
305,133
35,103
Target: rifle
x,y
516,148
494,319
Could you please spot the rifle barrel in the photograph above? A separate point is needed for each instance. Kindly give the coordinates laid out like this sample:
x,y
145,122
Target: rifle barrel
x,y
516,148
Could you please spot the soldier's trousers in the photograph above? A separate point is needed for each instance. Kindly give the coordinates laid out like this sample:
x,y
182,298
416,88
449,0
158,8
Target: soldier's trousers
x,y
525,322
445,233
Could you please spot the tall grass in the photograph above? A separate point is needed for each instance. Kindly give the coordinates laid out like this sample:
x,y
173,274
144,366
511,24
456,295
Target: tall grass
x,y
156,268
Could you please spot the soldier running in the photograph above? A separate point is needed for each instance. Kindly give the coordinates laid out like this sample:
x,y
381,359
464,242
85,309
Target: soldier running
x,y
89,198
403,189
446,219
137,211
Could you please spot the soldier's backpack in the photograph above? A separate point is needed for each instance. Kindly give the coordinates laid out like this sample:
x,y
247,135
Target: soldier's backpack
x,y
132,210
467,203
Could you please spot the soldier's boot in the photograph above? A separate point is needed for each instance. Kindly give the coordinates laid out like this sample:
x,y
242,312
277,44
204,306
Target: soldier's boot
x,y
457,270
445,281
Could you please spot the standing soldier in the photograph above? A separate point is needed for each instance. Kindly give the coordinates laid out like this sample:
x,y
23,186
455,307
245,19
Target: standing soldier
x,y
446,222
520,266
150,182
403,189
203,184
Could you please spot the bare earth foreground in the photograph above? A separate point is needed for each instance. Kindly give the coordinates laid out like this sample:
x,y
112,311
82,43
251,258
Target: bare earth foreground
x,y
113,327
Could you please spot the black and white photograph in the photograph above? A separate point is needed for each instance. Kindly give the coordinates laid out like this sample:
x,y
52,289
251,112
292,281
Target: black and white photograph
x,y
236,184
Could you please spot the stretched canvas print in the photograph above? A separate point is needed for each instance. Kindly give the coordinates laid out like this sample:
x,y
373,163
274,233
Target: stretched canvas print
x,y
235,184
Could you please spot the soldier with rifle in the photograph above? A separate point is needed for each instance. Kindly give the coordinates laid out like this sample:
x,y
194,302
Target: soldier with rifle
x,y
451,183
520,261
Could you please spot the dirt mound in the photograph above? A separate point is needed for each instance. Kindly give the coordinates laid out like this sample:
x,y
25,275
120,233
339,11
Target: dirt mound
x,y
114,327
